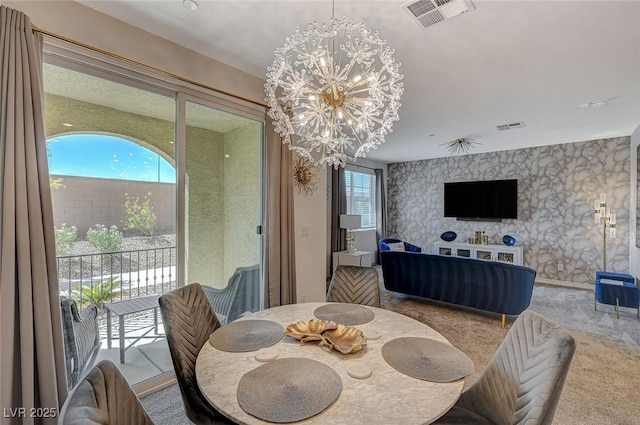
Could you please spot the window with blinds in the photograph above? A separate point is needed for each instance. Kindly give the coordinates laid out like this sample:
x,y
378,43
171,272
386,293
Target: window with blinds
x,y
361,196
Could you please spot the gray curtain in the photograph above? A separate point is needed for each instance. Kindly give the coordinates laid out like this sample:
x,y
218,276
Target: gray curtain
x,y
32,368
338,206
381,206
279,255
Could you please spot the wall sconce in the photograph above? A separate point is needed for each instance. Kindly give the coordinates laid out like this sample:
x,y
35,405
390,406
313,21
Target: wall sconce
x,y
350,222
603,214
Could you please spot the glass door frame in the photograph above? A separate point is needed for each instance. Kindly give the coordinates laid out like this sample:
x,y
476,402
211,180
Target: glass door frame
x,y
111,67
181,168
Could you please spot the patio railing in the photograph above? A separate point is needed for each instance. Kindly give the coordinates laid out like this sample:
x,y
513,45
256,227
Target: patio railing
x,y
114,276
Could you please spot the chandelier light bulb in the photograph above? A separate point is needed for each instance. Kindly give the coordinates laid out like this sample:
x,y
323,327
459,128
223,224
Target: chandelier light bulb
x,y
334,75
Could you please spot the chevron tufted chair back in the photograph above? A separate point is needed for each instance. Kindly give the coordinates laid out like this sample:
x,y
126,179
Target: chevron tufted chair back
x,y
522,383
357,285
188,321
103,396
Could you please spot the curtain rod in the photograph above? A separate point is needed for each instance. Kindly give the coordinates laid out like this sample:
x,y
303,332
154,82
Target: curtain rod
x,y
145,66
351,164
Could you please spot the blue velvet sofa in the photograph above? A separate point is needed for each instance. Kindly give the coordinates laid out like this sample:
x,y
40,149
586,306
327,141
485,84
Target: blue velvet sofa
x,y
484,285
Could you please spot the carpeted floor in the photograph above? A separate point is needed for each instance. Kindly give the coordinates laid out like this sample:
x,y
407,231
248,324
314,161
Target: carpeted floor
x,y
601,388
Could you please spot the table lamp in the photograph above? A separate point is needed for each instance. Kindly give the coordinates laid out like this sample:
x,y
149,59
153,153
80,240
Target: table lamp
x,y
350,222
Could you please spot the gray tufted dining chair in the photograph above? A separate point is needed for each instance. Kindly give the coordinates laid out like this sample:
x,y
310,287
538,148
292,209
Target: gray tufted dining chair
x,y
523,381
103,396
188,320
357,285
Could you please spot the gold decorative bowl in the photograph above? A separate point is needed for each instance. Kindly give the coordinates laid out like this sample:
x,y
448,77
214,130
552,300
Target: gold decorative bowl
x,y
341,338
309,331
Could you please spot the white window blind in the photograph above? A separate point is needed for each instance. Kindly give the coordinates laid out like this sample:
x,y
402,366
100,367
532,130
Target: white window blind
x,y
361,196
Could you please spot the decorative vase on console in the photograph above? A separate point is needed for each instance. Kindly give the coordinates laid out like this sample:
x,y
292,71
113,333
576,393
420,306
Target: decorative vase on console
x,y
508,240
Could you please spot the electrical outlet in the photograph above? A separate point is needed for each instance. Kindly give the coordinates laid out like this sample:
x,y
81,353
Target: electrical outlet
x,y
305,232
560,267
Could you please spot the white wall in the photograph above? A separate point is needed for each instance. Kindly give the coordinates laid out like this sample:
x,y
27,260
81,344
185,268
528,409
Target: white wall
x,y
311,243
634,252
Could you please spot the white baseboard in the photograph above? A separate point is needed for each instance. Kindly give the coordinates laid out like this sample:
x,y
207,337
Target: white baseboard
x,y
155,384
564,283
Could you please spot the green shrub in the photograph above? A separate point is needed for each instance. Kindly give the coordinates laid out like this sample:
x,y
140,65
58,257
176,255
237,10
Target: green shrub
x,y
65,239
105,239
139,215
56,183
101,293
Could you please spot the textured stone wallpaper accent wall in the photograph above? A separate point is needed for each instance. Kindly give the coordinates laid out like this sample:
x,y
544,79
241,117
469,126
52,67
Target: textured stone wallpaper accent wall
x,y
557,186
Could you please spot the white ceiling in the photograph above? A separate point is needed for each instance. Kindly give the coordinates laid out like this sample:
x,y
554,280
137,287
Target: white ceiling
x,y
505,61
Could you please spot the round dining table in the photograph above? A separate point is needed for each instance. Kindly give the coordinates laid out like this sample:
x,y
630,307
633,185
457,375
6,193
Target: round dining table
x,y
385,397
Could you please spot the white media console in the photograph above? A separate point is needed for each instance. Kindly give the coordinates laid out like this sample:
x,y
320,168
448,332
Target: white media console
x,y
502,253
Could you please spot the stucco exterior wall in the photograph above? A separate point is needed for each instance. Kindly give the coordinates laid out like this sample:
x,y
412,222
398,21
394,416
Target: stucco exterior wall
x,y
242,192
205,207
85,201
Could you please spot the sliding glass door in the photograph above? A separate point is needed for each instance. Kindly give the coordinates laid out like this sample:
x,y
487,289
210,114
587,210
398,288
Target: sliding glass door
x,y
112,172
223,206
156,184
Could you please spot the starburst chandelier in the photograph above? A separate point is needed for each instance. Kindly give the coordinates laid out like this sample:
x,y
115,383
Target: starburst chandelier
x,y
333,91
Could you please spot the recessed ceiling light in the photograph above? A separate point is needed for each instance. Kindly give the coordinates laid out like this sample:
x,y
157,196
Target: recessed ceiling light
x,y
66,124
226,155
190,4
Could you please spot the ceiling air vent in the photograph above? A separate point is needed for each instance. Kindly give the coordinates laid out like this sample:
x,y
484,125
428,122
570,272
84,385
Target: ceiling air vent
x,y
430,12
510,126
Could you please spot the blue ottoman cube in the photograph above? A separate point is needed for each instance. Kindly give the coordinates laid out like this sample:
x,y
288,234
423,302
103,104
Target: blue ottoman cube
x,y
618,289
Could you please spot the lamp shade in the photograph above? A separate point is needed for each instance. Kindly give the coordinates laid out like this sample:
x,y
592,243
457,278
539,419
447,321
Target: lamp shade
x,y
350,221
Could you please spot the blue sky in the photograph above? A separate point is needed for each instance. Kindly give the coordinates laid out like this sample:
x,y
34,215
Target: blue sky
x,y
95,155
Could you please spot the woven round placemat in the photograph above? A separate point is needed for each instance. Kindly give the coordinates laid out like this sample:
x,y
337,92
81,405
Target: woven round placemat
x,y
427,359
345,314
288,390
246,335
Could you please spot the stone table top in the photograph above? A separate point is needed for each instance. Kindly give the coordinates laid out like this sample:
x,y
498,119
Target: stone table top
x,y
386,397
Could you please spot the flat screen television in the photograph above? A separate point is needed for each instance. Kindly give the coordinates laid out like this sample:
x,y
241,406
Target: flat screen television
x,y
481,200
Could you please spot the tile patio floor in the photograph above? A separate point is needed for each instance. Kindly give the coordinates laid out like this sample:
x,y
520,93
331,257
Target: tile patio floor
x,y
147,358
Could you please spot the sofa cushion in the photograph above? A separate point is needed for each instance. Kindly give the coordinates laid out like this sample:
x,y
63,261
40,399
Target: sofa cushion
x,y
396,246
